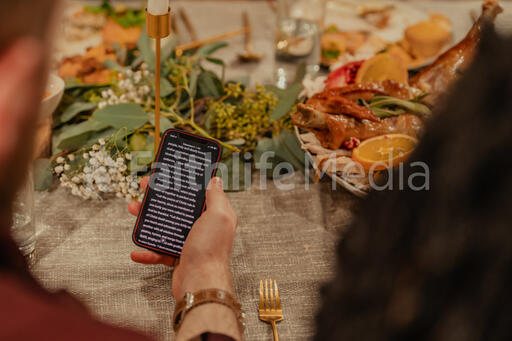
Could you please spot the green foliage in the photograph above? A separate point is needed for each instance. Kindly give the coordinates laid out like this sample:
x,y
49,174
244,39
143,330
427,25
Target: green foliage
x,y
127,18
207,50
43,176
127,115
76,108
76,135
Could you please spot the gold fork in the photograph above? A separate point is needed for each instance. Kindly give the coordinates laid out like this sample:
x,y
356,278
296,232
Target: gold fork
x,y
270,306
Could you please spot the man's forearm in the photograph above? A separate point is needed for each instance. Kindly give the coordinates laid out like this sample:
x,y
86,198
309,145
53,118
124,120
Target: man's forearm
x,y
212,318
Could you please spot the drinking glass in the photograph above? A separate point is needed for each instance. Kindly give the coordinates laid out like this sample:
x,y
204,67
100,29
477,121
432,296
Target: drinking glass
x,y
297,38
23,227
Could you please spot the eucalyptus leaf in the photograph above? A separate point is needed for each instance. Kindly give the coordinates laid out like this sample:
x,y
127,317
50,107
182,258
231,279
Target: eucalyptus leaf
x,y
193,82
126,115
72,83
106,134
168,48
209,85
165,123
74,109
165,87
287,100
215,61
292,145
272,88
283,154
76,135
245,81
234,172
265,154
121,52
112,65
207,50
144,46
43,177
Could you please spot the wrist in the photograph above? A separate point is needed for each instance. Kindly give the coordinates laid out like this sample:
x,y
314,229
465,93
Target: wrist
x,y
207,276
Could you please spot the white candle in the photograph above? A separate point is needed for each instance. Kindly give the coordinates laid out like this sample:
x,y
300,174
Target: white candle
x,y
158,7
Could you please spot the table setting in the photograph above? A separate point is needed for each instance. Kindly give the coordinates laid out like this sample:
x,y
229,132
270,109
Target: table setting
x,y
311,102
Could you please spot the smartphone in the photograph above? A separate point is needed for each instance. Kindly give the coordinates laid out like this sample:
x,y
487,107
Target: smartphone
x,y
175,195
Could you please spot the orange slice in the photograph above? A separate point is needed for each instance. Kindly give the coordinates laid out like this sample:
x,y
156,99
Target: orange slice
x,y
381,67
384,151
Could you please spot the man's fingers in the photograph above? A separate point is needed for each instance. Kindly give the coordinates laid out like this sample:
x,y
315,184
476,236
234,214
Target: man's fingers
x,y
215,197
134,208
144,182
148,257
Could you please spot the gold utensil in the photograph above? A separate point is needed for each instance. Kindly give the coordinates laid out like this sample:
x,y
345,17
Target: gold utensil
x,y
195,44
188,24
248,55
270,305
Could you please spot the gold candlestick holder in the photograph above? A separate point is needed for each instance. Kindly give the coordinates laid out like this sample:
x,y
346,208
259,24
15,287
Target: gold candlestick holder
x,y
158,27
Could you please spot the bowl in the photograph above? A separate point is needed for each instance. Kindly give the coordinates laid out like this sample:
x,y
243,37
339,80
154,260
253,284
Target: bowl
x,y
54,92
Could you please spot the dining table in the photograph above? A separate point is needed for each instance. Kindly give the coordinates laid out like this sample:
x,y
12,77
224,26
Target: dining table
x,y
288,234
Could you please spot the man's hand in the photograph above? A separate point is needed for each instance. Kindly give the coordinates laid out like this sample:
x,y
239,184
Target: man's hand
x,y
204,262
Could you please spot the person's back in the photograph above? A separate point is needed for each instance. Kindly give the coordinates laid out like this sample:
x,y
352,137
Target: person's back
x,y
437,264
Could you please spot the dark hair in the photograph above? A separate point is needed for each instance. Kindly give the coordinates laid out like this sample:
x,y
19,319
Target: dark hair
x,y
437,264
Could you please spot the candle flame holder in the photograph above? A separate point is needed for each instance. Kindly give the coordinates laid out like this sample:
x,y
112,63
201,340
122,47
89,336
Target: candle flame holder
x,y
158,27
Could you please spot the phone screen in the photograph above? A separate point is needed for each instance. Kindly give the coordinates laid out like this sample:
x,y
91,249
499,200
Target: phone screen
x,y
175,196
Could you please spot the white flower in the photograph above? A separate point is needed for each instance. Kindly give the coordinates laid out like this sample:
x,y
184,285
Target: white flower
x,y
129,72
87,170
85,155
128,156
71,157
60,159
119,195
102,142
122,168
144,66
94,162
59,169
75,179
95,147
109,162
67,167
104,94
145,73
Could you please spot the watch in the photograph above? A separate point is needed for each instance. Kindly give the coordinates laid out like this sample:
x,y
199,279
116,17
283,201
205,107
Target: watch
x,y
192,300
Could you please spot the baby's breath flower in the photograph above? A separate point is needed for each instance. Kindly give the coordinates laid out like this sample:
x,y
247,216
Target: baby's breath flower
x,y
71,157
60,159
101,141
59,169
67,167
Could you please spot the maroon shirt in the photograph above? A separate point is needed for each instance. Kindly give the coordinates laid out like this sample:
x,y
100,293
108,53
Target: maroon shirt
x,y
28,312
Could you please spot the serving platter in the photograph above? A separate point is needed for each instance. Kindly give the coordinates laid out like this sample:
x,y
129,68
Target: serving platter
x,y
340,179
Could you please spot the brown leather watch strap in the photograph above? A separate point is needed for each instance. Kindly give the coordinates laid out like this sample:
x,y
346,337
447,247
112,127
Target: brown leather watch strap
x,y
192,300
